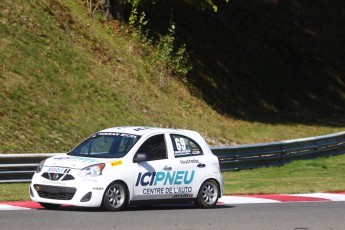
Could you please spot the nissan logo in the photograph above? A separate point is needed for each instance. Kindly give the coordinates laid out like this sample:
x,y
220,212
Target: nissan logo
x,y
56,176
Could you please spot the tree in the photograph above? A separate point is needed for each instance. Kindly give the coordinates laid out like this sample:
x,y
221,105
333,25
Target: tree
x,y
116,9
203,4
112,9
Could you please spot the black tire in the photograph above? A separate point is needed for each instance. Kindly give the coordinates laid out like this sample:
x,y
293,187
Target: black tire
x,y
50,206
115,197
208,194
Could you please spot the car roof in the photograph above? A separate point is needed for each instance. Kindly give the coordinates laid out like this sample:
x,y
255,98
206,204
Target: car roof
x,y
142,130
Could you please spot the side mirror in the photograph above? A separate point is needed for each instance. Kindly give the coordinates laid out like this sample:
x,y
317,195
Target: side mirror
x,y
140,157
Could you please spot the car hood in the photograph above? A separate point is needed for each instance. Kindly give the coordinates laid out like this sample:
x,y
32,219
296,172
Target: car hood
x,y
73,161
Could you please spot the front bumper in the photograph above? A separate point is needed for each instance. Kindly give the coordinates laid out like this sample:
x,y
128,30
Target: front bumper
x,y
86,192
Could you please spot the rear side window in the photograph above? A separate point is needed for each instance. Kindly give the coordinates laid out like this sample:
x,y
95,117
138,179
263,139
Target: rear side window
x,y
185,147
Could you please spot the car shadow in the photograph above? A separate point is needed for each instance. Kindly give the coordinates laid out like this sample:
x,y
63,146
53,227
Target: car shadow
x,y
134,208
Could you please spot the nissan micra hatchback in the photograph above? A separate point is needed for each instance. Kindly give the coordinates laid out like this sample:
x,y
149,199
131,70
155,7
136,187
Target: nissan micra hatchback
x,y
127,165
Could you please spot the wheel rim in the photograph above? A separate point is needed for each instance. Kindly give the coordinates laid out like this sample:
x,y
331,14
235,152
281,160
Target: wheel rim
x,y
116,195
209,193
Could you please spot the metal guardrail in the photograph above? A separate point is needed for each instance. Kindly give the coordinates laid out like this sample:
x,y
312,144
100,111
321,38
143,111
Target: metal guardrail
x,y
279,153
20,167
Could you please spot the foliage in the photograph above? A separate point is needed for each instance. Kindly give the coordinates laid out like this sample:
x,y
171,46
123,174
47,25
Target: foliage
x,y
202,4
176,58
165,53
199,4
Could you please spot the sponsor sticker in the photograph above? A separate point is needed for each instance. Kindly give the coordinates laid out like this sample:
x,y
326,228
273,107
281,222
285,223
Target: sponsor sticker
x,y
180,192
193,161
56,170
116,163
53,182
175,181
117,134
165,178
78,159
183,196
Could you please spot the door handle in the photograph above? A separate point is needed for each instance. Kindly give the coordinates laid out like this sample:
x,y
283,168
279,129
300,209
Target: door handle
x,y
201,165
167,168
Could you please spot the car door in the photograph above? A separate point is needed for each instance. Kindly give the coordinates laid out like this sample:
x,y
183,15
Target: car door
x,y
188,160
150,174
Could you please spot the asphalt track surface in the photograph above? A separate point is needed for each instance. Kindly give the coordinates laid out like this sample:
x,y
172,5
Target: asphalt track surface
x,y
291,215
311,215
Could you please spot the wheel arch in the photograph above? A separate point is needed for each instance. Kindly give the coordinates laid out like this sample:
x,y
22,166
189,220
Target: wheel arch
x,y
126,186
215,180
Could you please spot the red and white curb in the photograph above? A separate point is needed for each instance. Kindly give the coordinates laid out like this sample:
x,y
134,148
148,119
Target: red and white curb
x,y
279,198
19,205
225,200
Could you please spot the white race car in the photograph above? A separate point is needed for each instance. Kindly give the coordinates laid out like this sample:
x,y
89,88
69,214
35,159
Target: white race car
x,y
127,165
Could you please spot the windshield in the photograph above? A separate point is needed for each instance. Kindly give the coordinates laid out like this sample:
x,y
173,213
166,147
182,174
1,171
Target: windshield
x,y
106,145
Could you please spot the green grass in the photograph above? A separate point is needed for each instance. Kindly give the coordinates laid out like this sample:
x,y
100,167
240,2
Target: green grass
x,y
320,175
14,192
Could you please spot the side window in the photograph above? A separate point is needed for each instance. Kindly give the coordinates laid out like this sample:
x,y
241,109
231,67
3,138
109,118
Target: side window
x,y
155,147
185,147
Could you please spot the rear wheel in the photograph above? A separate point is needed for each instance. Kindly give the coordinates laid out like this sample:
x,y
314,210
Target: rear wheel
x,y
208,194
50,206
115,197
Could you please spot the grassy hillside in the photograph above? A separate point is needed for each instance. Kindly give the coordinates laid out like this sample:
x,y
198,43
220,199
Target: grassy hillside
x,y
64,76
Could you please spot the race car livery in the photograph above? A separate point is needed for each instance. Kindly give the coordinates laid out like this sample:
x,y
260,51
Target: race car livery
x,y
126,165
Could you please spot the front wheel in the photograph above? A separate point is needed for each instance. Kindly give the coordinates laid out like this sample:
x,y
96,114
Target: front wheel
x,y
208,194
115,197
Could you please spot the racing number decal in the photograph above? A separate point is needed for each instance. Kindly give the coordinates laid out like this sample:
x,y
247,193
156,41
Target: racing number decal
x,y
180,143
184,146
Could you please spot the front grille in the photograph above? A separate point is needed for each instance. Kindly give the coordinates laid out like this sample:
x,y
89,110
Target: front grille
x,y
68,177
57,176
55,192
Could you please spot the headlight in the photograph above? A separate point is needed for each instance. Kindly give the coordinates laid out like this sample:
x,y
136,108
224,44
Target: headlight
x,y
40,166
92,170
